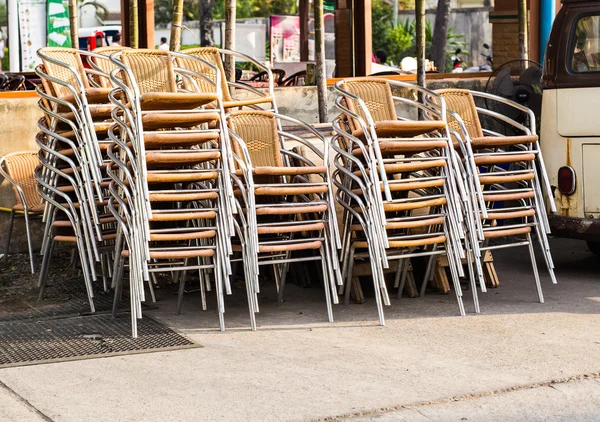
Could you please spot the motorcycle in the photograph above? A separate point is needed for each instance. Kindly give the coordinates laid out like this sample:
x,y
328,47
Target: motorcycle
x,y
487,67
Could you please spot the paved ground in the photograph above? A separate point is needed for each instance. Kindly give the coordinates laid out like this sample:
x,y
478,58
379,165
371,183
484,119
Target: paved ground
x,y
297,367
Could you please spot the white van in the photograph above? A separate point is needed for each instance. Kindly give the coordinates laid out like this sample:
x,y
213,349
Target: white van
x,y
570,132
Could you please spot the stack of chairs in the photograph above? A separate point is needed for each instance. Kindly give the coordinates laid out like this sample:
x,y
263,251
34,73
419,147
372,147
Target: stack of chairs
x,y
505,173
170,187
399,182
71,176
284,199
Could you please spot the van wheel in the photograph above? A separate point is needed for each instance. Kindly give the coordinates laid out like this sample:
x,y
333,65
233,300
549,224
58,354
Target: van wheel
x,y
594,247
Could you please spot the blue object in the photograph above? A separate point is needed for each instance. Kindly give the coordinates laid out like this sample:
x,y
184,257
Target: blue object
x,y
547,14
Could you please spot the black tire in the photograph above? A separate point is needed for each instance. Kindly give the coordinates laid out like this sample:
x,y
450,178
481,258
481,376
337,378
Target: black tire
x,y
594,247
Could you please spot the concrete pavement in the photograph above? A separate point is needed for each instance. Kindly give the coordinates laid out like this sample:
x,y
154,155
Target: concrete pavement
x,y
298,367
560,402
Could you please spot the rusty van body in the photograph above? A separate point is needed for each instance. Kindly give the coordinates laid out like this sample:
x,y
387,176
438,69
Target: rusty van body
x,y
570,132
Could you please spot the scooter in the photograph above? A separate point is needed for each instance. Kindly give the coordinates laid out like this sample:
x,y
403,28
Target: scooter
x,y
484,67
457,62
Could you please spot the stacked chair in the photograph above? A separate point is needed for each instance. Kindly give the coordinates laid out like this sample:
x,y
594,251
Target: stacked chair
x,y
505,173
148,163
285,199
170,189
399,182
72,173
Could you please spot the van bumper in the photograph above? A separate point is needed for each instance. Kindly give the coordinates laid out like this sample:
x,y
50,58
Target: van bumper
x,y
574,228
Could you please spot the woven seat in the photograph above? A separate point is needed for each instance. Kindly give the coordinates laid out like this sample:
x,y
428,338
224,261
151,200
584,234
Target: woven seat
x,y
93,95
176,254
407,243
152,121
494,234
502,141
405,147
181,139
487,160
180,158
407,167
175,100
499,178
180,176
402,128
493,196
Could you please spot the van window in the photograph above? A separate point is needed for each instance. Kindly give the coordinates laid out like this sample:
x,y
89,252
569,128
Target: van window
x,y
586,45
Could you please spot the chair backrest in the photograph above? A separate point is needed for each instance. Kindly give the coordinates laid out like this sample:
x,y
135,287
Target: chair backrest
x,y
377,95
69,56
461,102
211,55
106,65
20,166
152,69
258,130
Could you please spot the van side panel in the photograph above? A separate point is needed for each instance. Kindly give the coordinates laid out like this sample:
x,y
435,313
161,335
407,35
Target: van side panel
x,y
578,111
561,151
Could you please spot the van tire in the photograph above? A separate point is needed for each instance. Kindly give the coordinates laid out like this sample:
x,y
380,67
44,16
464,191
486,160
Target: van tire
x,y
594,247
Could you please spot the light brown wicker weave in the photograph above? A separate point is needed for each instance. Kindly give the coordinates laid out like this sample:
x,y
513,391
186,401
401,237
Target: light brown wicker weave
x,y
106,65
20,166
258,129
153,70
69,56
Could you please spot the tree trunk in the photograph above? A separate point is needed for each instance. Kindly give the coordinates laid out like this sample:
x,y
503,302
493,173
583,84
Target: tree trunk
x,y
230,38
73,18
134,33
440,34
206,38
523,40
176,20
420,35
320,75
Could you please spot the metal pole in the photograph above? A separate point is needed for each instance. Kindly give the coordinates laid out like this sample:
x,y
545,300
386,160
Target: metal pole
x,y
420,35
13,36
320,75
523,39
395,13
547,14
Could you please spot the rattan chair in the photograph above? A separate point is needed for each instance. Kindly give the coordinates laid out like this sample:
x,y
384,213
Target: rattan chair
x,y
214,56
397,180
286,200
170,192
18,169
508,175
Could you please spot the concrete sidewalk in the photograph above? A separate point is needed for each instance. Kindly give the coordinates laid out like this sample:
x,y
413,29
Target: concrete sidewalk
x,y
561,402
297,367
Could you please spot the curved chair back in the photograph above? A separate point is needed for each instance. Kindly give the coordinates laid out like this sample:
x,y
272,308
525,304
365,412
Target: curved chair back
x,y
68,56
20,167
153,70
258,129
462,103
211,55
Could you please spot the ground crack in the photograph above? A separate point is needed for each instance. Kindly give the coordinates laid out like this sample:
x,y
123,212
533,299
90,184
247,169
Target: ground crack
x,y
26,402
551,383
